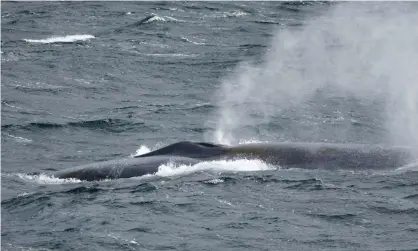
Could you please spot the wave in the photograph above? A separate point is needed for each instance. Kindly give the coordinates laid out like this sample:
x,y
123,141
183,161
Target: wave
x,y
39,86
214,181
215,63
230,14
62,39
113,125
146,21
333,217
6,103
266,22
190,41
10,57
154,18
203,107
250,46
236,13
18,139
168,19
169,55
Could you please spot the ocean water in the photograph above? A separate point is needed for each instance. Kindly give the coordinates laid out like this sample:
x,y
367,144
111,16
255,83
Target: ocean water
x,y
89,81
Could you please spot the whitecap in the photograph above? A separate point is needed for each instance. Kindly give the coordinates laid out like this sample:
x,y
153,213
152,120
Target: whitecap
x,y
62,39
214,181
190,41
19,139
155,18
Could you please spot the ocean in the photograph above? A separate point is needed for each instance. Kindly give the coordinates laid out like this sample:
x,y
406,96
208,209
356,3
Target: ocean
x,y
83,82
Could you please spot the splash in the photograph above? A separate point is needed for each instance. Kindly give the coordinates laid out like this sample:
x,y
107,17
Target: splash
x,y
46,179
173,169
241,165
362,51
62,39
141,150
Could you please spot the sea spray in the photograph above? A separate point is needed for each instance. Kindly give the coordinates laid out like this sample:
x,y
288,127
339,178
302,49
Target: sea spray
x,y
355,52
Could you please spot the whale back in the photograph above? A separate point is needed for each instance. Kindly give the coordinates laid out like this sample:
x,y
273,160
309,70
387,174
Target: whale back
x,y
304,155
121,168
198,150
324,155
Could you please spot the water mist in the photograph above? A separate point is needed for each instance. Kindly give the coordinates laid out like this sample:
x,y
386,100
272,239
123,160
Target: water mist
x,y
367,52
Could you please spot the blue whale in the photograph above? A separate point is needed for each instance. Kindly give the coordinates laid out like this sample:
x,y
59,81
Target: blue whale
x,y
285,154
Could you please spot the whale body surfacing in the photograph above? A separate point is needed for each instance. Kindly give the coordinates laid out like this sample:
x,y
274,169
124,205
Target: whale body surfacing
x,y
303,155
121,168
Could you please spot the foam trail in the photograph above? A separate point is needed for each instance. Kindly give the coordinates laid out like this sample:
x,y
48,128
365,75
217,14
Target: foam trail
x,y
63,39
367,51
242,165
45,179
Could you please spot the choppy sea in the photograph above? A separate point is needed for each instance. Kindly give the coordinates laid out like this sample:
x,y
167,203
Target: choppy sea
x,y
89,81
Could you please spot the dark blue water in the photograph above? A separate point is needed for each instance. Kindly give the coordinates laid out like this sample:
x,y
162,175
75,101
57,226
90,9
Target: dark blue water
x,y
91,81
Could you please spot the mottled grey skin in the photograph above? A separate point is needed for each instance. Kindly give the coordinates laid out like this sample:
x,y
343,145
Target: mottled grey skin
x,y
305,155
